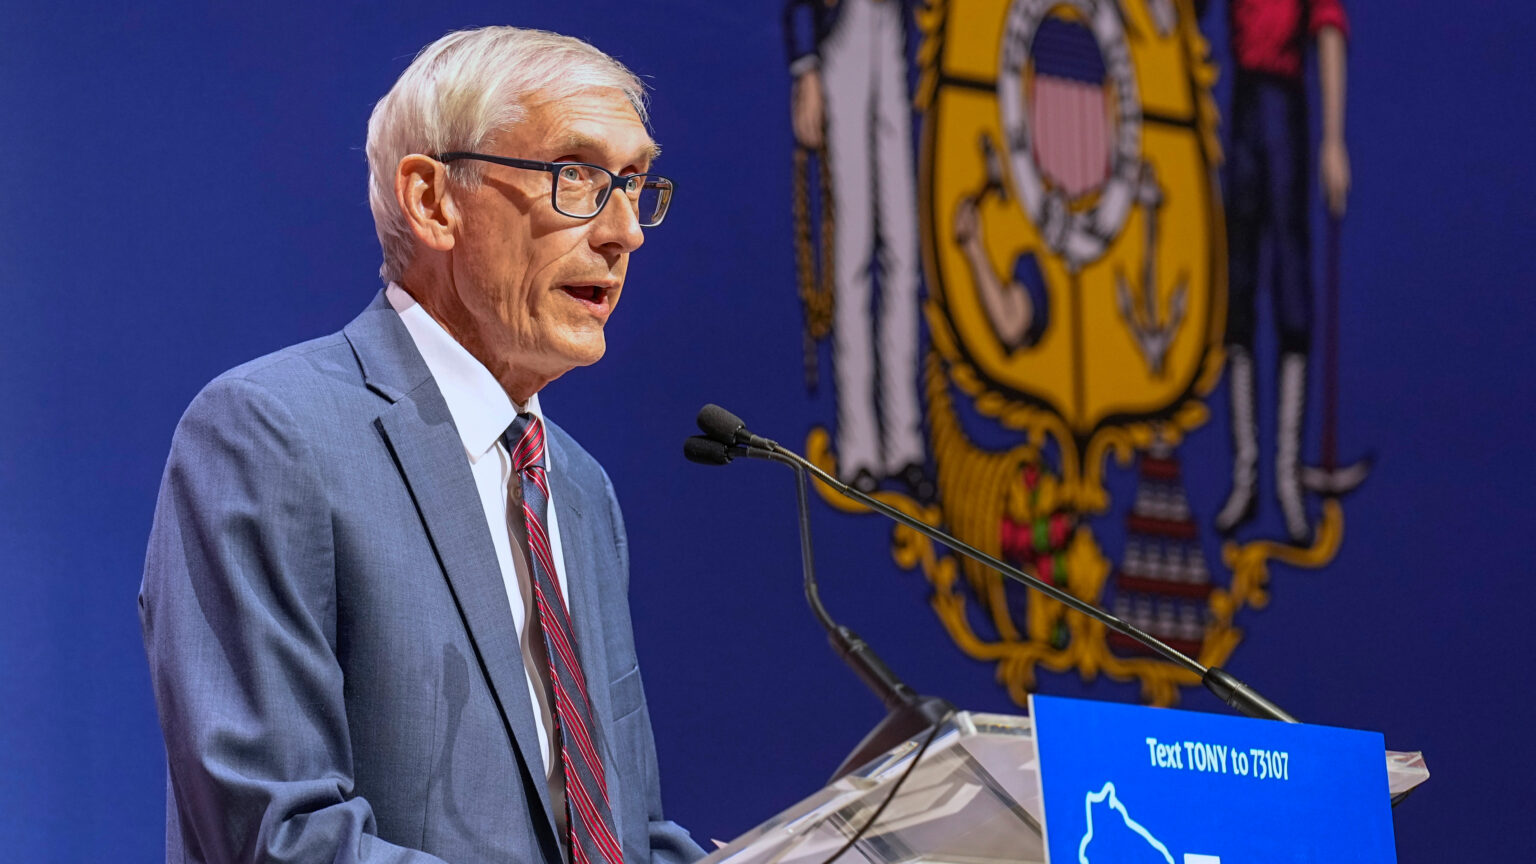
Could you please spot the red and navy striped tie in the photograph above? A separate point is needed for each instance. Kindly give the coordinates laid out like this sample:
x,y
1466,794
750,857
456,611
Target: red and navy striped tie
x,y
592,839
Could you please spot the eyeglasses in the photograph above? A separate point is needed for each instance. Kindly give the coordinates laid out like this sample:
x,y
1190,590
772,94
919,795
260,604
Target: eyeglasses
x,y
581,189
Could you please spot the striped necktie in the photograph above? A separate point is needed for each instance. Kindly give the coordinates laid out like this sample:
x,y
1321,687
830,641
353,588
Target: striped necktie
x,y
592,839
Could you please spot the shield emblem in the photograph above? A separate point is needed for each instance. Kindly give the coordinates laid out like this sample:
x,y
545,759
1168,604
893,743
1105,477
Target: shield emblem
x,y
1068,104
1108,190
1076,262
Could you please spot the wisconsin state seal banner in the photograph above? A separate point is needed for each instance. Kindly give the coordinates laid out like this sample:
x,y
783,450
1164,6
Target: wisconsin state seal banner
x,y
1050,172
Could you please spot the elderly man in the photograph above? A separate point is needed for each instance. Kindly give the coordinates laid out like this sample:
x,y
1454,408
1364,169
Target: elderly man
x,y
385,601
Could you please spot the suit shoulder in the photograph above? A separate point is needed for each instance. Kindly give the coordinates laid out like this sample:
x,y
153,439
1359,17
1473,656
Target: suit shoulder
x,y
324,364
311,379
316,358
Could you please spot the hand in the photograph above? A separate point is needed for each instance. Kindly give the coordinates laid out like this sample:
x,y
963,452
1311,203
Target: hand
x,y
807,110
966,220
1333,172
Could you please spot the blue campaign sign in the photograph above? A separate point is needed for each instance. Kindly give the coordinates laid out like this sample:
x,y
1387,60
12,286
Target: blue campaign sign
x,y
1124,784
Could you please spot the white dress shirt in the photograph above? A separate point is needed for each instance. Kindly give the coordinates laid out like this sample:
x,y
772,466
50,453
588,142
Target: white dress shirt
x,y
482,411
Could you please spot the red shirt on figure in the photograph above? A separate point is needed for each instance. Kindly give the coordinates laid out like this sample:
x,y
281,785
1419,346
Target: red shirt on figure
x,y
1267,34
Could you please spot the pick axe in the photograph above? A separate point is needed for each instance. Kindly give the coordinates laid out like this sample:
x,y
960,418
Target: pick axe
x,y
1330,479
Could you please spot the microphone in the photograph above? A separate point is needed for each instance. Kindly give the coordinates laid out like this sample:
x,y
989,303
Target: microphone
x,y
706,451
728,429
907,713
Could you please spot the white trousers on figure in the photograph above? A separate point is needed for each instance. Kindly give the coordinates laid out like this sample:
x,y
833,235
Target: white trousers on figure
x,y
874,200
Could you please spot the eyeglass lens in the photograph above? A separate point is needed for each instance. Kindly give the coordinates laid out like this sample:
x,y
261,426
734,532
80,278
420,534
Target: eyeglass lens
x,y
580,189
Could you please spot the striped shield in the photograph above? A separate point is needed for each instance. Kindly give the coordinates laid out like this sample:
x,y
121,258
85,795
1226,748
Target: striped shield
x,y
1068,107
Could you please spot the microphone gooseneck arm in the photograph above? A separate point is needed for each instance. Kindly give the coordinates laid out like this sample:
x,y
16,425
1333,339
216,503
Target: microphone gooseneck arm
x,y
807,556
907,713
892,691
1220,682
878,677
729,430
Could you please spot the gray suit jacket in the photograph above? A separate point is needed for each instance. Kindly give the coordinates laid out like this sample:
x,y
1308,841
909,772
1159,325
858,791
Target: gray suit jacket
x,y
334,661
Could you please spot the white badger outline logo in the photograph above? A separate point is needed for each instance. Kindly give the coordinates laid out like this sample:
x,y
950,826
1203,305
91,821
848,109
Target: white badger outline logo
x,y
1114,802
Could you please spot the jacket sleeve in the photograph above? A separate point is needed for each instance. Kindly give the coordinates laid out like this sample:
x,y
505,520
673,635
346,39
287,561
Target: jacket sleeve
x,y
803,26
239,618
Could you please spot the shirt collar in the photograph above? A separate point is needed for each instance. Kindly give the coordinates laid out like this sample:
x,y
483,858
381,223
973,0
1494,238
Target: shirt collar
x,y
481,410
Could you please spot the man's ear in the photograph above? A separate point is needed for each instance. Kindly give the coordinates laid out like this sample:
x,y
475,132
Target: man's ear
x,y
422,193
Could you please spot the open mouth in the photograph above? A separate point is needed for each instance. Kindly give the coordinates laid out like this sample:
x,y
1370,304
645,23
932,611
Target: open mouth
x,y
588,293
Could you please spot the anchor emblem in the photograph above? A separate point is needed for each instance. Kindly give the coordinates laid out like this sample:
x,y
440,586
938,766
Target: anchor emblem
x,y
1153,332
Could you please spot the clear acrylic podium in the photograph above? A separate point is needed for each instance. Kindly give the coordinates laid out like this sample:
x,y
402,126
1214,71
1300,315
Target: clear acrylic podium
x,y
973,798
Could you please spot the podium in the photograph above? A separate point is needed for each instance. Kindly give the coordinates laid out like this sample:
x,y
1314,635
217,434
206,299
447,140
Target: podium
x,y
974,797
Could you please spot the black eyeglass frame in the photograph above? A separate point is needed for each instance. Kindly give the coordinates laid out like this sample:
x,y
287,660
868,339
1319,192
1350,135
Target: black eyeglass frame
x,y
664,186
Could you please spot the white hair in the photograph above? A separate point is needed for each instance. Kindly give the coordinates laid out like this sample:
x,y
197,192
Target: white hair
x,y
461,90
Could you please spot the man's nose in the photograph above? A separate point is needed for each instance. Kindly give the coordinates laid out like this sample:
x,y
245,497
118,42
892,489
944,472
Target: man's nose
x,y
617,227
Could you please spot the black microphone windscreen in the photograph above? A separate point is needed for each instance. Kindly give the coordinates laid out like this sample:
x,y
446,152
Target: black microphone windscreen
x,y
719,424
706,451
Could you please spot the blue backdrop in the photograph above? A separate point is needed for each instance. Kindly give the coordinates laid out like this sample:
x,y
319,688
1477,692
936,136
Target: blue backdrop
x,y
184,190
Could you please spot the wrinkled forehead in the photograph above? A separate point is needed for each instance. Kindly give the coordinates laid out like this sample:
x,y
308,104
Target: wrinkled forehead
x,y
599,125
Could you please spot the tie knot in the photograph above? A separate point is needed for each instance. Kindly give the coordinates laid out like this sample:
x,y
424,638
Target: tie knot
x,y
524,440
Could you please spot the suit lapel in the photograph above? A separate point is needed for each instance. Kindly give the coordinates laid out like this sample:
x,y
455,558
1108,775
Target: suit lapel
x,y
419,431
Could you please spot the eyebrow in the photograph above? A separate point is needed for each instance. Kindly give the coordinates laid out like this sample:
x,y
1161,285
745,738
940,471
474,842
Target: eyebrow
x,y
576,141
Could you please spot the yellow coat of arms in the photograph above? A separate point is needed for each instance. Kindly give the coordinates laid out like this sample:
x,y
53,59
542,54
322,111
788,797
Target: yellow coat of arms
x,y
1068,212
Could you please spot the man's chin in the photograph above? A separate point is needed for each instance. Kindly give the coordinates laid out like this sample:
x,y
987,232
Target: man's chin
x,y
583,352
